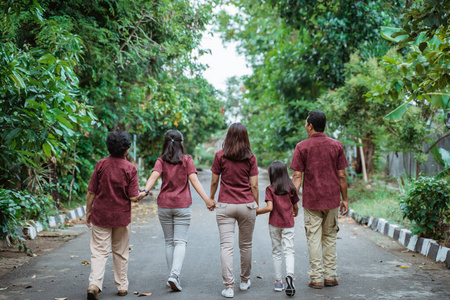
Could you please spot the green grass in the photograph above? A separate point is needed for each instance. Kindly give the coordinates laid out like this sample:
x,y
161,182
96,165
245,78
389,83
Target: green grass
x,y
377,202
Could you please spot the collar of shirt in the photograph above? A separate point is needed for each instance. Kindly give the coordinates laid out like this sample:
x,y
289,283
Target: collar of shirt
x,y
318,134
122,157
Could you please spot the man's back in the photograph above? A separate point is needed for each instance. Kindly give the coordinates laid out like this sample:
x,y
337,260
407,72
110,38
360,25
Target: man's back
x,y
319,158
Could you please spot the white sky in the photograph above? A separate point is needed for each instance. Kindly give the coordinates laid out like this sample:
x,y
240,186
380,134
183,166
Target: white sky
x,y
223,62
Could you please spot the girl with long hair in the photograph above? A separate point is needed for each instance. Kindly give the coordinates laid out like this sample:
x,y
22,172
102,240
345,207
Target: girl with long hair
x,y
281,199
176,169
237,169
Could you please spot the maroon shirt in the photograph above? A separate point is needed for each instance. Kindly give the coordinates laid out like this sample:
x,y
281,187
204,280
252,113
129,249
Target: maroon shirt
x,y
114,182
319,158
281,215
175,191
235,178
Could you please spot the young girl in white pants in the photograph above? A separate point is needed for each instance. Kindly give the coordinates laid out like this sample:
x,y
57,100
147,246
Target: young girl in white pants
x,y
281,199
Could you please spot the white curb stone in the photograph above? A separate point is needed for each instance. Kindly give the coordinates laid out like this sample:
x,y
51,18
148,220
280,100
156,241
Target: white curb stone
x,y
80,212
381,224
39,227
369,223
30,231
425,247
412,243
62,218
72,214
402,236
51,222
350,213
392,228
442,254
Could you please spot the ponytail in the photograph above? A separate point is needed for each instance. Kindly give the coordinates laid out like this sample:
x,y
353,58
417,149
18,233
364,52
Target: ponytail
x,y
173,149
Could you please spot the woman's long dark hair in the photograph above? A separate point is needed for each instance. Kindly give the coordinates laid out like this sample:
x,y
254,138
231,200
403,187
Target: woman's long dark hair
x,y
237,145
173,149
279,179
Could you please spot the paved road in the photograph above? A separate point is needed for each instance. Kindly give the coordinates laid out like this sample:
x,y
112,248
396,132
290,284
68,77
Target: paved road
x,y
368,265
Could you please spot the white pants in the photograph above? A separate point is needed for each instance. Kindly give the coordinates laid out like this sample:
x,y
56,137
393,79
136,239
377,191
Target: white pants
x,y
175,223
282,240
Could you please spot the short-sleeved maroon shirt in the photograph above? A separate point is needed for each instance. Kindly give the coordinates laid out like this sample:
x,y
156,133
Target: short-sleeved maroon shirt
x,y
175,190
114,182
234,178
319,158
281,215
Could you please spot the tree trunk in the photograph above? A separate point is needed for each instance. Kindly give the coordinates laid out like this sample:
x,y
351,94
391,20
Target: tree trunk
x,y
369,151
53,179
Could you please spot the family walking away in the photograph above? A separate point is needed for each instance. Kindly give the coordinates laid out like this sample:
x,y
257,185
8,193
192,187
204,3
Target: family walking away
x,y
319,166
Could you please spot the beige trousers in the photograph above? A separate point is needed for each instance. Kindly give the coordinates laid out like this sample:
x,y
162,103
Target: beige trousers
x,y
321,230
102,240
227,215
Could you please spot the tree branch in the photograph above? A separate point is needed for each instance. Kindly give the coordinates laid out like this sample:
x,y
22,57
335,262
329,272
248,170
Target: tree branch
x,y
392,130
437,141
128,39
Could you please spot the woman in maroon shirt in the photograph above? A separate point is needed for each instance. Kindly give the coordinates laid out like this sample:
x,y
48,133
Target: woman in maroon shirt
x,y
174,200
238,200
113,185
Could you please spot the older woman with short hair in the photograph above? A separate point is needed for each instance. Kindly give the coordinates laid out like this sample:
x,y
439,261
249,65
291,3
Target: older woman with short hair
x,y
114,184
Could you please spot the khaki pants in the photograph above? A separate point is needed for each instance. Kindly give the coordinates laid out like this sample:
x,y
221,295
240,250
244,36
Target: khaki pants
x,y
321,230
102,240
227,215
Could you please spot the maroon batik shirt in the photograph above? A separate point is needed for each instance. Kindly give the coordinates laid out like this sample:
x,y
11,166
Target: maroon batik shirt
x,y
114,182
175,191
234,178
319,158
282,214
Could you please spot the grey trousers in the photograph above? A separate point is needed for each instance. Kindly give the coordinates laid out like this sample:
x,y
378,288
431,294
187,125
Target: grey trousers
x,y
175,225
227,215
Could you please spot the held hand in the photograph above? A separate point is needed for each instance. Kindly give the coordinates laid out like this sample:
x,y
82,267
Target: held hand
x,y
142,195
295,213
211,204
343,208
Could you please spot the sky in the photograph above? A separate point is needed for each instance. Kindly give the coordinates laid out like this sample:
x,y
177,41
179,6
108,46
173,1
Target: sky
x,y
224,61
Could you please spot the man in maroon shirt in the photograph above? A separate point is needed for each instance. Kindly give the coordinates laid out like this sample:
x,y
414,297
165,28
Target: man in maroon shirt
x,y
321,163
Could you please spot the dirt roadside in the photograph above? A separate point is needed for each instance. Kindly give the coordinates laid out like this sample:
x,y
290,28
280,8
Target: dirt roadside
x,y
46,241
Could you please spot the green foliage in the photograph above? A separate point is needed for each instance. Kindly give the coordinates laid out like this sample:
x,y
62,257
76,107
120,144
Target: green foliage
x,y
17,207
418,81
298,50
337,29
72,71
377,202
427,204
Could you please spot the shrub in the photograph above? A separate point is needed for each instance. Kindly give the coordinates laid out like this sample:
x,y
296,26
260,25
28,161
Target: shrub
x,y
17,207
427,204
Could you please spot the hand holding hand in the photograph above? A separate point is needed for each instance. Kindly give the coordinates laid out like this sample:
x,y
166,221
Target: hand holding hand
x,y
211,204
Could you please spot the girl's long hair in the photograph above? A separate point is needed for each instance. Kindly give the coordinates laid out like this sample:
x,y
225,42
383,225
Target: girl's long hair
x,y
279,179
173,149
236,146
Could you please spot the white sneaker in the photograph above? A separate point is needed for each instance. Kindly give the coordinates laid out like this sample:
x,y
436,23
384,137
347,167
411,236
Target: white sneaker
x,y
174,282
228,293
245,285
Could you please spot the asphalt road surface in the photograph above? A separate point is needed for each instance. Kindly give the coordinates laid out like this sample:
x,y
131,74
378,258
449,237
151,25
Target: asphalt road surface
x,y
370,265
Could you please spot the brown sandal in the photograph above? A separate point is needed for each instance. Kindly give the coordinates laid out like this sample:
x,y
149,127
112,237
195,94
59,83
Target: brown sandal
x,y
315,285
